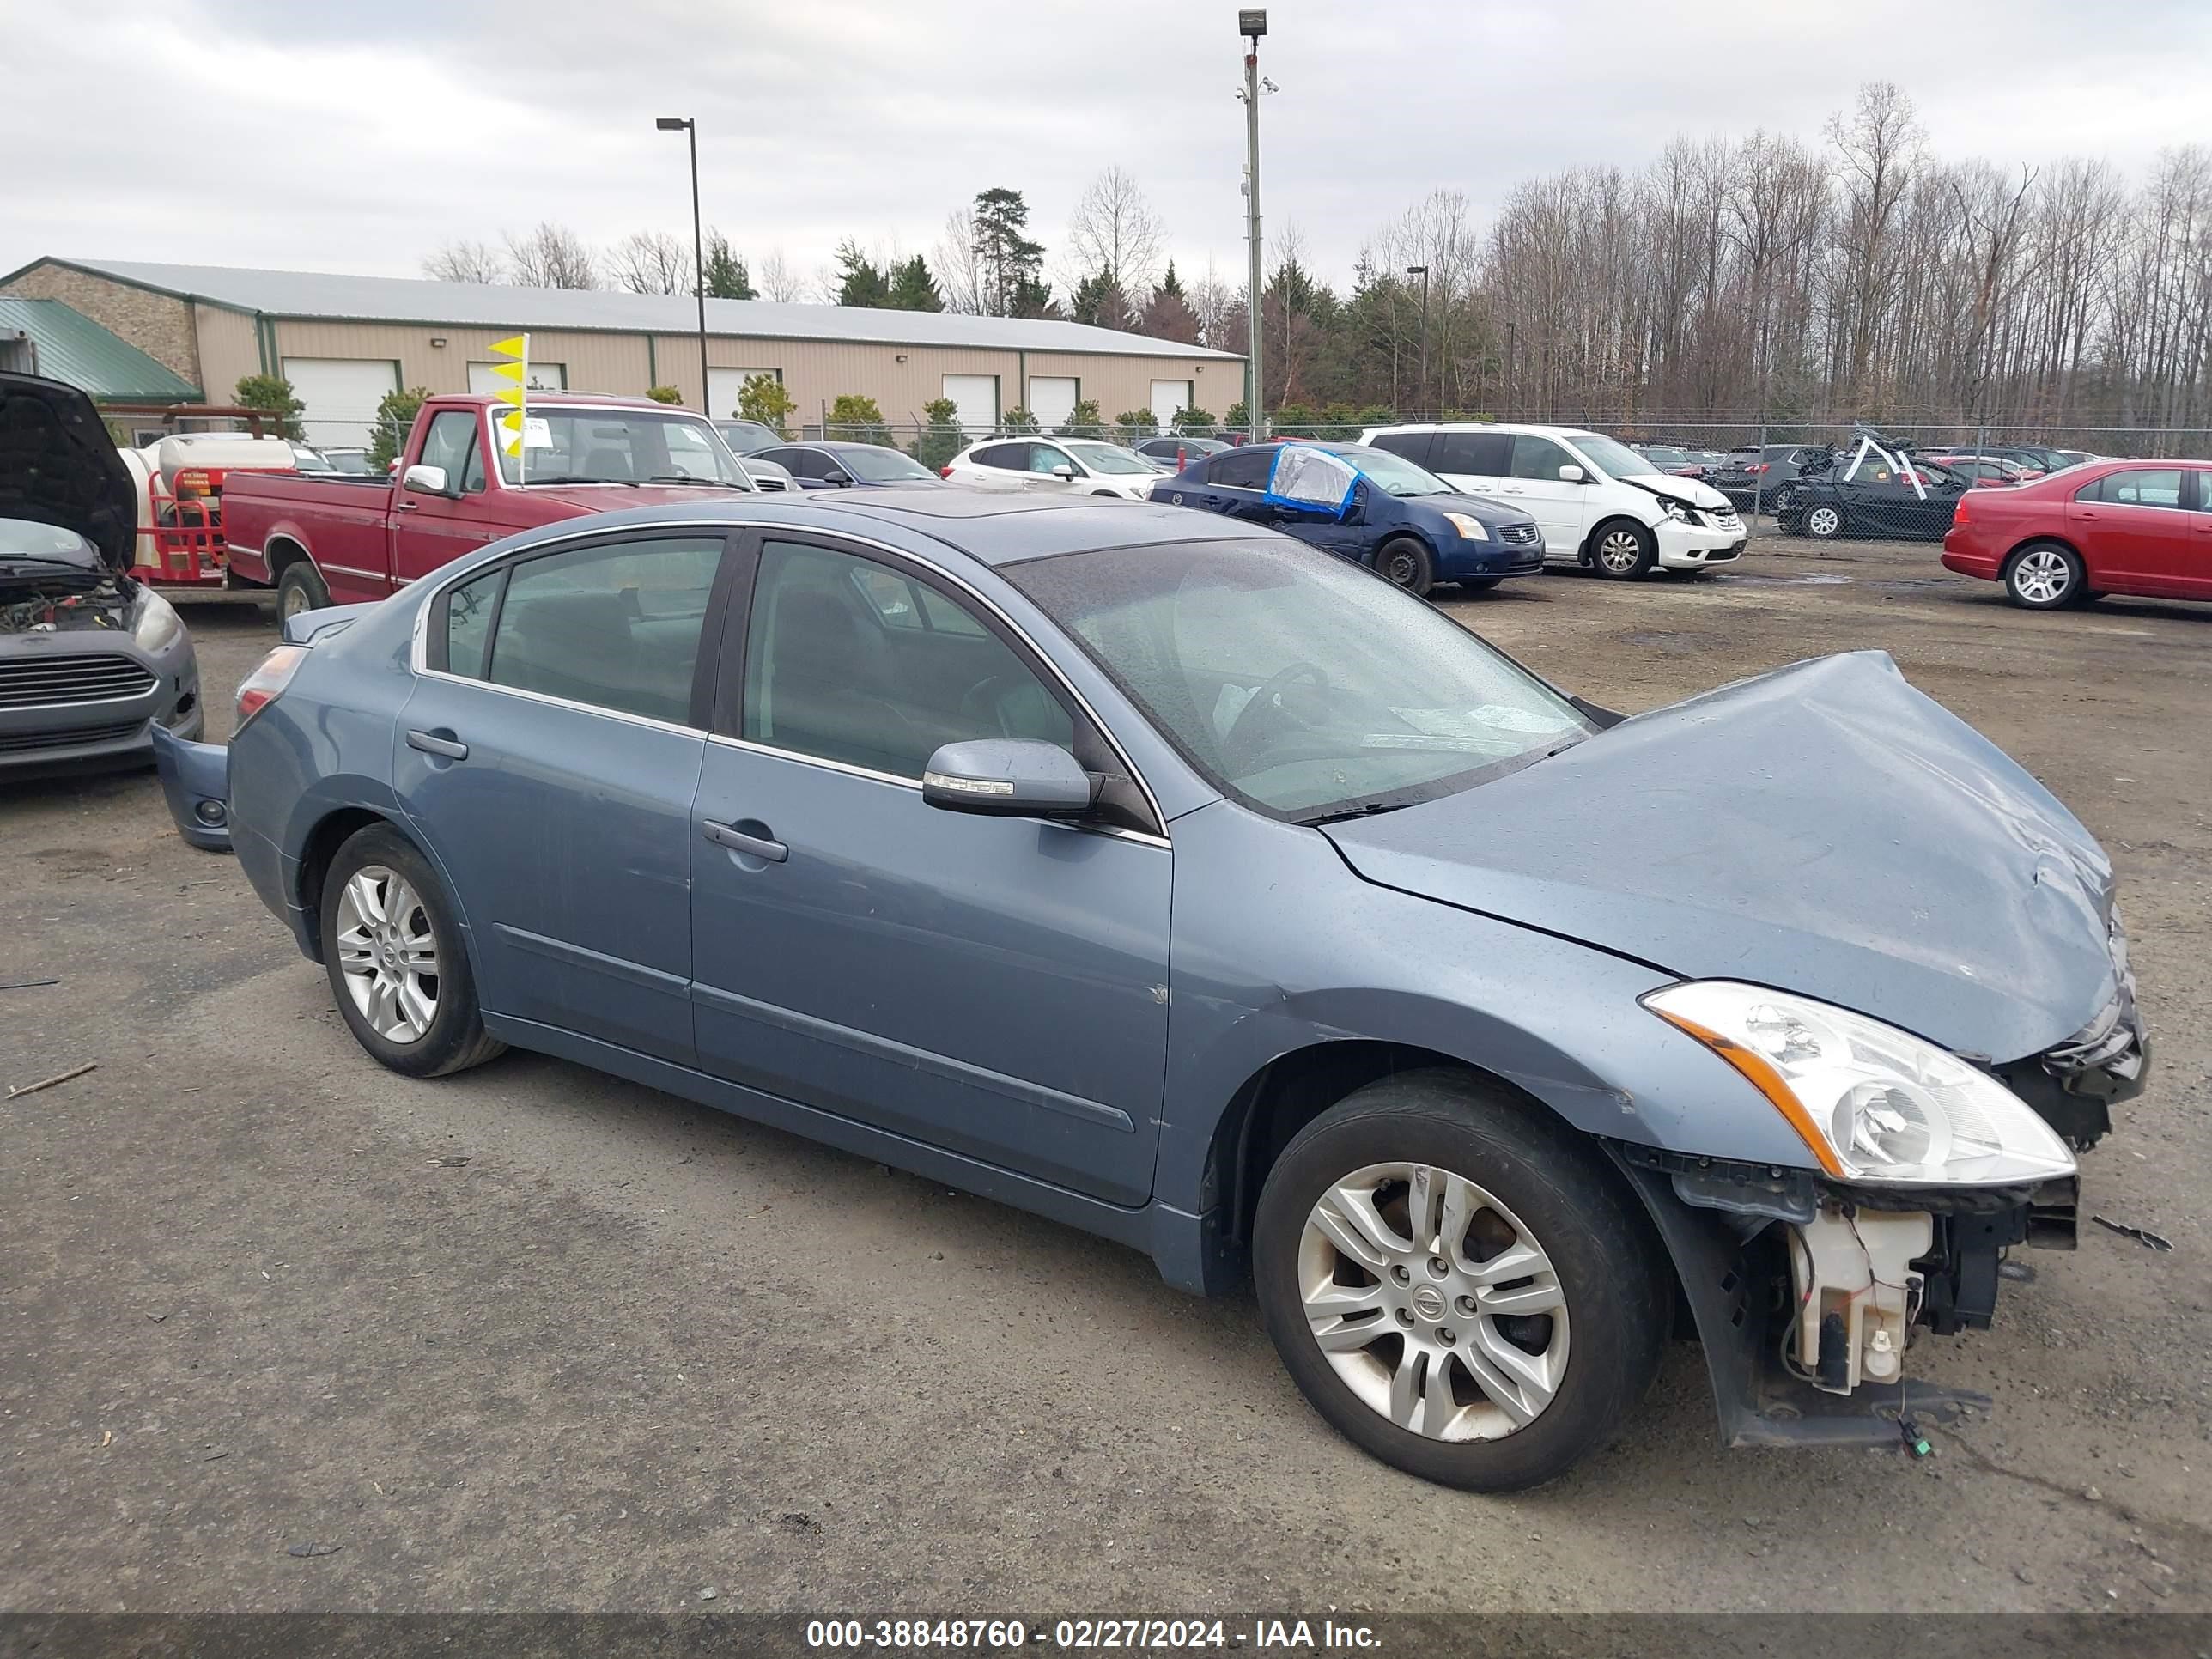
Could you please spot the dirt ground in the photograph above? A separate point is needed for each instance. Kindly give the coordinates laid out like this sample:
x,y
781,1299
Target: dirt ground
x,y
532,1339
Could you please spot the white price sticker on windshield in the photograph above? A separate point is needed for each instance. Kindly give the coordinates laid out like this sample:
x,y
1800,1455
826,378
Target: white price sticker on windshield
x,y
536,433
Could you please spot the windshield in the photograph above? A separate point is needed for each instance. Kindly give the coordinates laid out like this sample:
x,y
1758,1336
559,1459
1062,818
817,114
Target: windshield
x,y
1394,474
1297,683
1110,458
873,464
1614,459
621,446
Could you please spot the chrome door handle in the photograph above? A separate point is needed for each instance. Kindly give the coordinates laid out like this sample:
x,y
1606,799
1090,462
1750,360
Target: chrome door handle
x,y
406,507
738,841
431,744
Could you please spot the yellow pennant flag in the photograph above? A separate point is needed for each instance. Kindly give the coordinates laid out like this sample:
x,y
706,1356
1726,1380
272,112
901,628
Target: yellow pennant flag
x,y
515,370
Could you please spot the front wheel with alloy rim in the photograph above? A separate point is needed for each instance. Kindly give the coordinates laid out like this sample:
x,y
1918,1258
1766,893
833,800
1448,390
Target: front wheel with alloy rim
x,y
1405,563
1457,1283
1823,521
300,588
1622,549
2044,576
395,958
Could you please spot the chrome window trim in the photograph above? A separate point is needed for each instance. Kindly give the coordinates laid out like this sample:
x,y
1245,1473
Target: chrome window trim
x,y
352,570
547,697
799,531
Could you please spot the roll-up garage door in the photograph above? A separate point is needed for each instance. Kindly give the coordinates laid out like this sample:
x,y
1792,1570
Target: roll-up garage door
x,y
1052,399
1168,397
341,395
976,396
723,386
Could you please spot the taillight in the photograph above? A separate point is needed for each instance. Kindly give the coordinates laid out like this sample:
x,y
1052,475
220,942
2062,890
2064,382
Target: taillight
x,y
1756,467
945,472
266,683
1960,517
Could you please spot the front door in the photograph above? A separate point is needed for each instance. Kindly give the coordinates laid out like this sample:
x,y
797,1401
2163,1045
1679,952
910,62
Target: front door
x,y
995,986
549,759
2134,524
1536,487
430,531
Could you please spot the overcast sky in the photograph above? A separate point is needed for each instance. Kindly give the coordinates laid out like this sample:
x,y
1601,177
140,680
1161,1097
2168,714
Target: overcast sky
x,y
357,138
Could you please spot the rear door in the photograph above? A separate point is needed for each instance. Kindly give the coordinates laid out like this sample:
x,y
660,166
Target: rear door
x,y
990,986
548,756
1236,485
430,531
2197,559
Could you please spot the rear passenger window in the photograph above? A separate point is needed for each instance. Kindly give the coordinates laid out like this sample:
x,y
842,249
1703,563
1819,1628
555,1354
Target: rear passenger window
x,y
1241,468
616,626
2136,487
1413,446
468,622
1482,454
1014,458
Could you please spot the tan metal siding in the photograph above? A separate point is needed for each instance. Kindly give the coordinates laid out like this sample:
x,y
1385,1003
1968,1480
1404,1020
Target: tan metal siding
x,y
595,362
228,350
1121,383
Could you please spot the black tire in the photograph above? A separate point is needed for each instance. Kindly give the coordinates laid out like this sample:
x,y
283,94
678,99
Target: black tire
x,y
455,1038
1404,562
300,588
1824,521
1609,1265
1478,584
1611,539
2045,576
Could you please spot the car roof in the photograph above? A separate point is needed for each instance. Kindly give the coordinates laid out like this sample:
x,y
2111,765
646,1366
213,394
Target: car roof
x,y
993,527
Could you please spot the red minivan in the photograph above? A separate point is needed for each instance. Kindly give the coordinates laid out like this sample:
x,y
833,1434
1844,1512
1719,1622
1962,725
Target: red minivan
x,y
2107,527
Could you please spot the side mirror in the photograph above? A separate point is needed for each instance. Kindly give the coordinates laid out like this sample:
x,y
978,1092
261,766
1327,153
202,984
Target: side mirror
x,y
425,480
1063,472
1008,777
840,479
1570,474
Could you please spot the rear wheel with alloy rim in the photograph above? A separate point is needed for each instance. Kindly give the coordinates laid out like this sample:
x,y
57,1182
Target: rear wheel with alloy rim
x,y
1824,521
1457,1282
1622,549
2044,576
395,958
1405,563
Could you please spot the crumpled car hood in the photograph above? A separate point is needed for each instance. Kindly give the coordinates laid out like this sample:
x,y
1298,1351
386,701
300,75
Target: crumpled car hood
x,y
1824,828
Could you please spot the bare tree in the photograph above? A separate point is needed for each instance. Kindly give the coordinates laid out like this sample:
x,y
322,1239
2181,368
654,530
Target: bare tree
x,y
1214,302
651,262
959,268
464,261
777,280
552,256
1114,232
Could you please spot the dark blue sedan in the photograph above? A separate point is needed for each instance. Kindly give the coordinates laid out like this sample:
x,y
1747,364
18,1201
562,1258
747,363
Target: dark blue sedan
x,y
1397,519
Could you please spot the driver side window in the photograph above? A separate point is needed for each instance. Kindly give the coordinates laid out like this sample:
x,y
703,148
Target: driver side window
x,y
850,661
1045,457
1535,457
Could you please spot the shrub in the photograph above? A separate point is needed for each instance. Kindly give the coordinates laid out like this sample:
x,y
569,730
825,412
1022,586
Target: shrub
x,y
1192,422
942,438
1132,424
763,399
1083,421
395,415
854,419
1018,419
273,393
665,394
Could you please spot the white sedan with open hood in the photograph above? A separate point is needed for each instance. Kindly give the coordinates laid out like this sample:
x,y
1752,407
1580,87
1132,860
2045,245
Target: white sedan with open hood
x,y
1600,504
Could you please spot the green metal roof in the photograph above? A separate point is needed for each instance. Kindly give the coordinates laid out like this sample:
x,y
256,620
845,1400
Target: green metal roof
x,y
71,347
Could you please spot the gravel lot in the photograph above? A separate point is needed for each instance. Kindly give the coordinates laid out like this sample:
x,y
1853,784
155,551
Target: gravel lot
x,y
534,1338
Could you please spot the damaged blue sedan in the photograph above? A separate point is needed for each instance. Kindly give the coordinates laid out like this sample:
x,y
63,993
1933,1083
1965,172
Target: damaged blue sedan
x,y
1180,882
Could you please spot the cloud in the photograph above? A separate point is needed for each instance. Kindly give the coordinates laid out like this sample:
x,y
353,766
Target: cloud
x,y
334,138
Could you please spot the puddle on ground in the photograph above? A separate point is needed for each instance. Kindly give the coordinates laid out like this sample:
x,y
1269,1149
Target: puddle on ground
x,y
1809,579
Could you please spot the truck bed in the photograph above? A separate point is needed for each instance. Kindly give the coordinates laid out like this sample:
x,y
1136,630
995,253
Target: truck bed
x,y
342,522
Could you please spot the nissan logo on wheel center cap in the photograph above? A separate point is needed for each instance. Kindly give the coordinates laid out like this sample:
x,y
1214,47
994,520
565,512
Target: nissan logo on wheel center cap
x,y
1429,1302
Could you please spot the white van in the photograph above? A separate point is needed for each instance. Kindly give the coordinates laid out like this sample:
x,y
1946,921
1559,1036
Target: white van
x,y
1600,504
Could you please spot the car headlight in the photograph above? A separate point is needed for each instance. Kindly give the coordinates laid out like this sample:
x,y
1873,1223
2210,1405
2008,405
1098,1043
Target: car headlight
x,y
158,623
1468,527
1675,510
1872,1104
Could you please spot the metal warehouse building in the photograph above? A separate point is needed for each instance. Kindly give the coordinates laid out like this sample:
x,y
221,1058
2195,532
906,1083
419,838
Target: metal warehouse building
x,y
343,342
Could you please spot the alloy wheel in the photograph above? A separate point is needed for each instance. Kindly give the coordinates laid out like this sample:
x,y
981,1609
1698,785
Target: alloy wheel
x,y
2041,576
1432,1303
1619,550
388,953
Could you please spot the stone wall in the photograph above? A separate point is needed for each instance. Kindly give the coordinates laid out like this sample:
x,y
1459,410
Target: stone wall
x,y
158,326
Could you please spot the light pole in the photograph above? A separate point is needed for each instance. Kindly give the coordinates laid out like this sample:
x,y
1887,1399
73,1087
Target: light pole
x,y
1252,23
685,124
1422,272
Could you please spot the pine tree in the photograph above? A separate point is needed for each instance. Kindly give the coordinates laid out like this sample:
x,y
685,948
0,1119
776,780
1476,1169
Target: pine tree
x,y
727,278
1013,263
862,283
913,289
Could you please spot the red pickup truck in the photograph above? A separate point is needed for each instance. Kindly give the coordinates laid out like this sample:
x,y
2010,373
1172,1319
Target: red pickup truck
x,y
330,539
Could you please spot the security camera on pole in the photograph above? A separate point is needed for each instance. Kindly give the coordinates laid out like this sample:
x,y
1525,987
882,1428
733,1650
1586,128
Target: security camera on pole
x,y
1252,23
